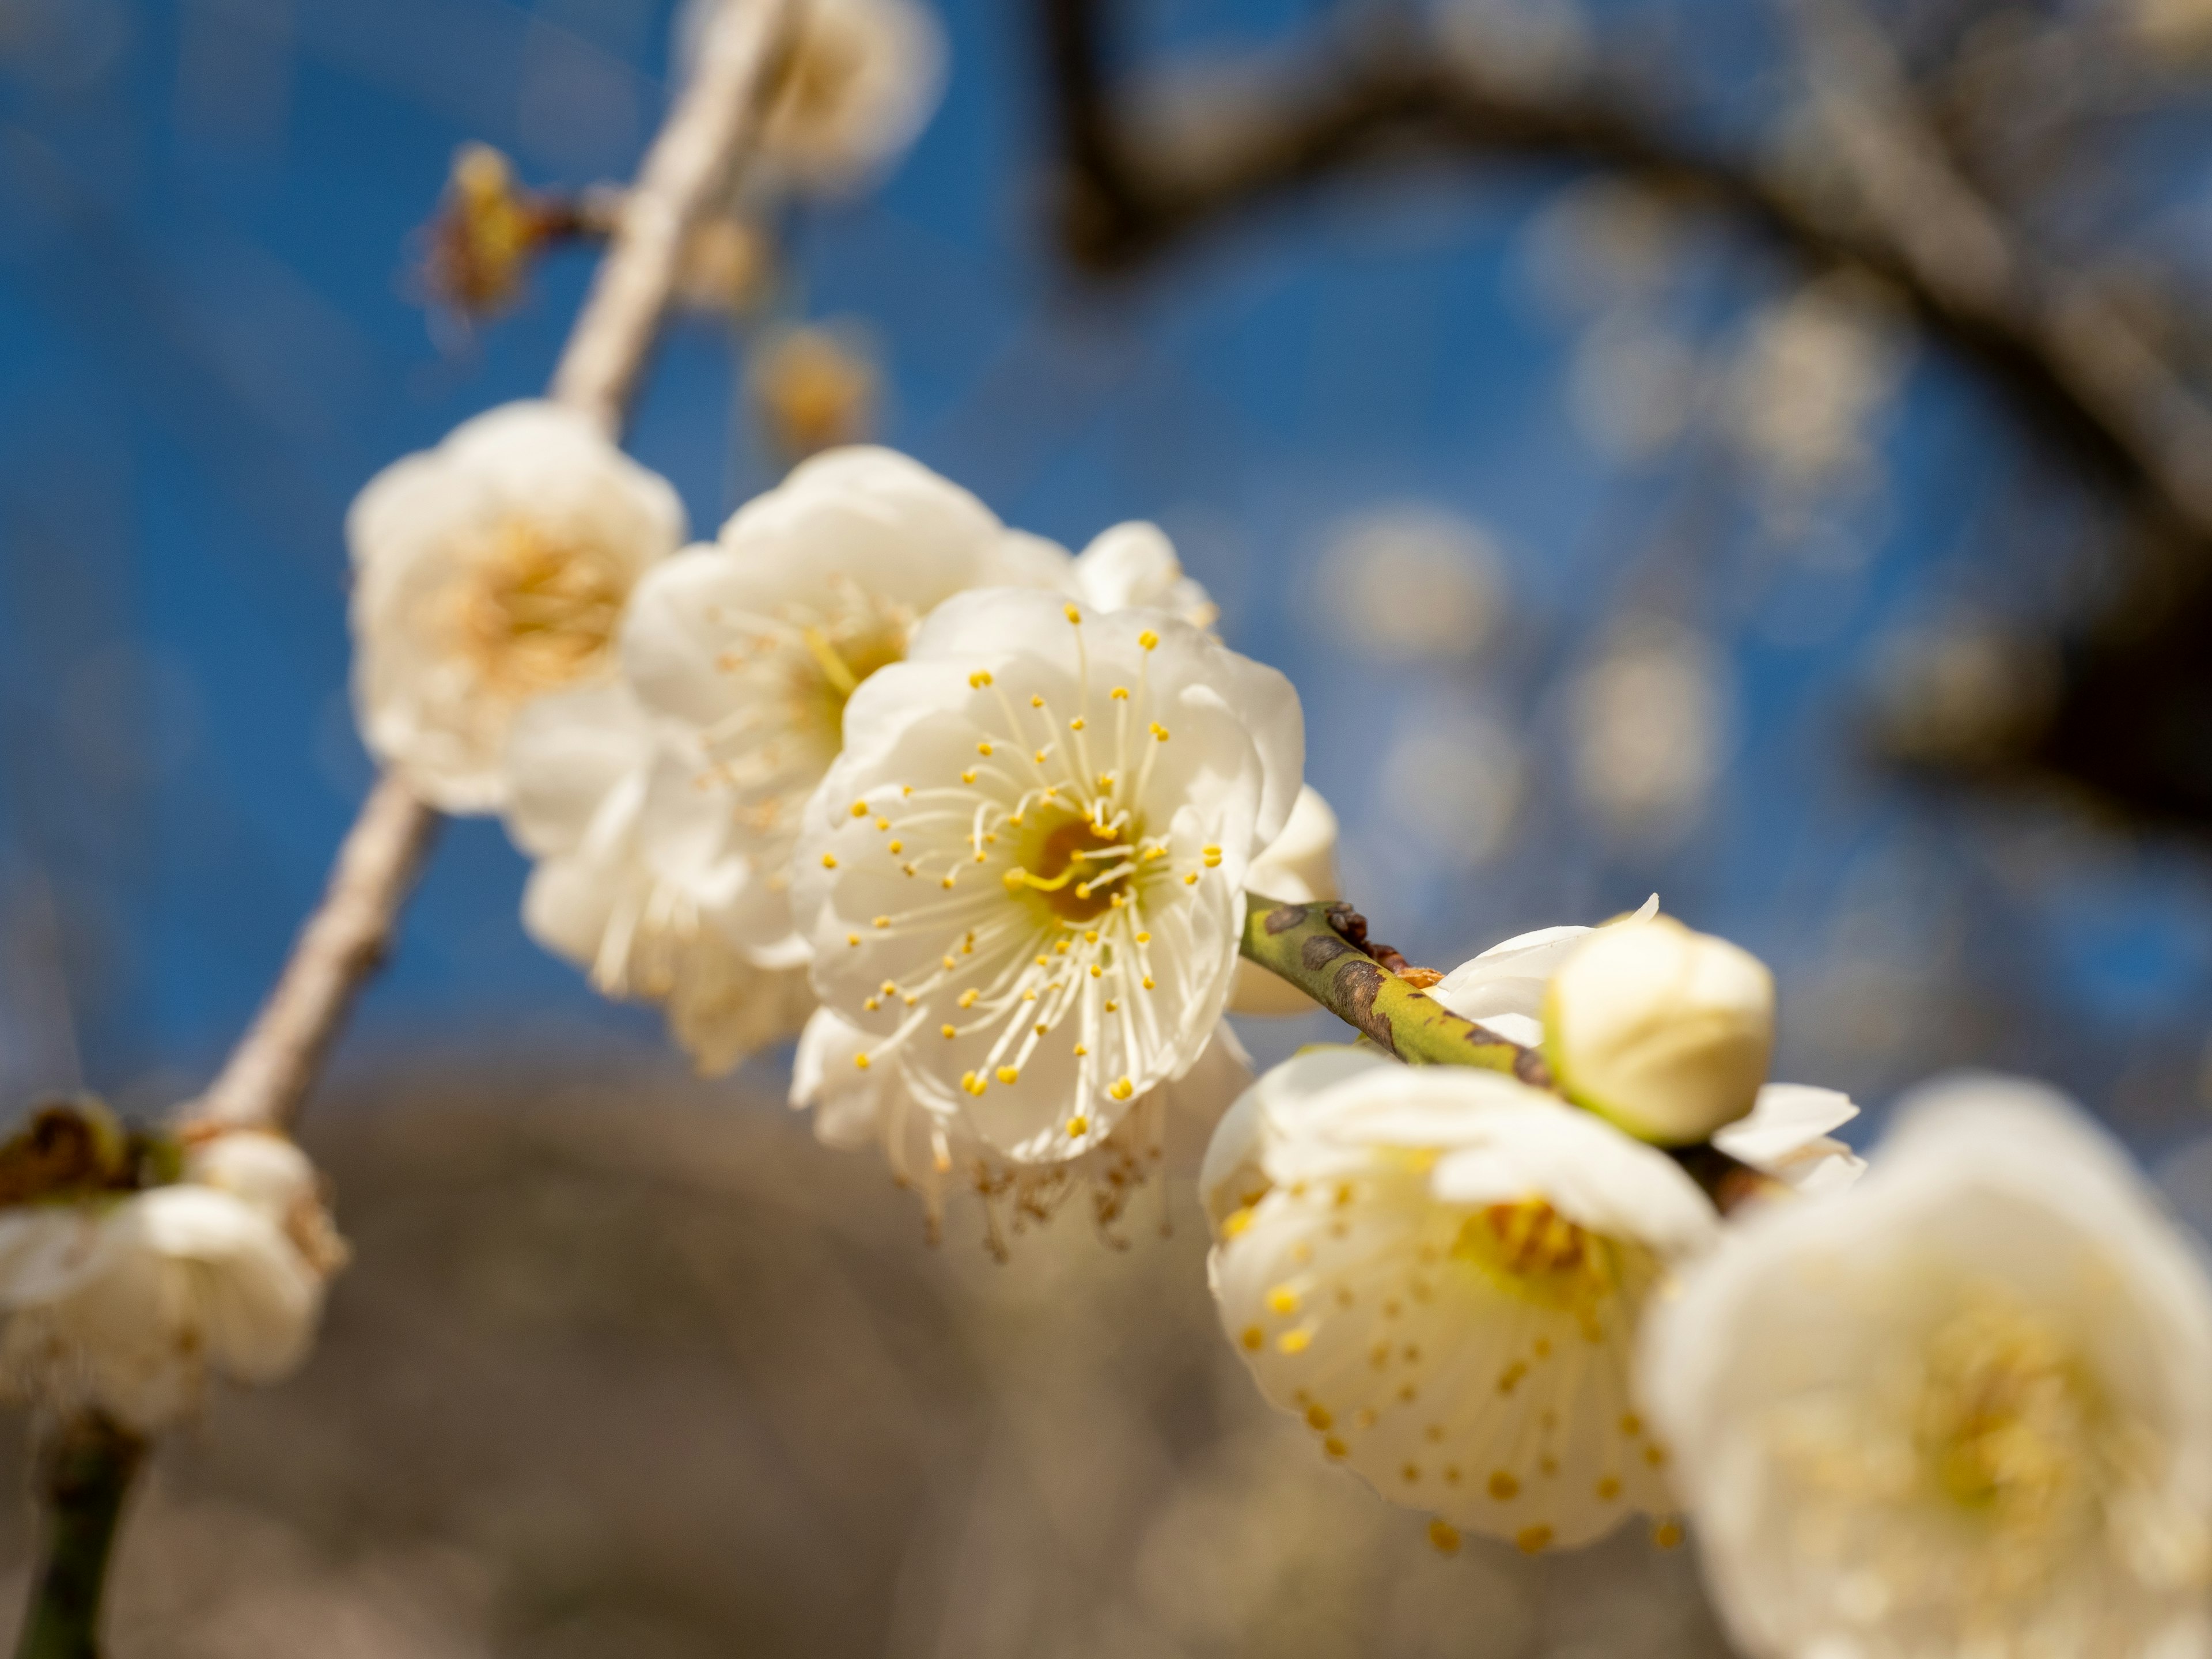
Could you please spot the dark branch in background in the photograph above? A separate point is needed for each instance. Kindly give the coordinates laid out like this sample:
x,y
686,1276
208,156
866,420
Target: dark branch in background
x,y
2064,356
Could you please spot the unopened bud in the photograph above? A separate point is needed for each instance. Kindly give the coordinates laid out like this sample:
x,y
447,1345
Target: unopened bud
x,y
1665,1031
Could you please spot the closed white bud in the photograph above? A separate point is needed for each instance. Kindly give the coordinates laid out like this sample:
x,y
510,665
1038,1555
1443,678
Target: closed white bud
x,y
1663,1030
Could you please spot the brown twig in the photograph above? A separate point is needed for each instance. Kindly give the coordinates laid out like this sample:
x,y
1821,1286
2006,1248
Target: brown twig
x,y
266,1079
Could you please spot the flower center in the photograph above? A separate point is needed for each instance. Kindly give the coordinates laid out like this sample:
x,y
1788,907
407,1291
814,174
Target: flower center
x,y
2006,1425
541,611
1079,866
1530,1250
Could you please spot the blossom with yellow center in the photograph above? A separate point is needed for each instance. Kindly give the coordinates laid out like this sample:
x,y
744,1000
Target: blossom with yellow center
x,y
1960,1409
490,571
1076,796
1441,1270
749,649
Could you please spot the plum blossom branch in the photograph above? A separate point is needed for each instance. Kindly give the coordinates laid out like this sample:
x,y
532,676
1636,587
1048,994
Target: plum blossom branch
x,y
88,1462
1321,950
267,1077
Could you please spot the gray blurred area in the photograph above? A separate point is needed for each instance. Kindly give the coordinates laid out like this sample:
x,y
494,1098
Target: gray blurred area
x,y
625,1366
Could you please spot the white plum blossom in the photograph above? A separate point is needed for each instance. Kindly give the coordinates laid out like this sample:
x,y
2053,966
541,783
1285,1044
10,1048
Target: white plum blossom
x,y
126,1303
936,1152
1961,1409
1441,1270
1504,987
752,645
1023,879
489,571
635,880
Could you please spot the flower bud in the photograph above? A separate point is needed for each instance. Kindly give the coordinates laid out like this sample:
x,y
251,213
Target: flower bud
x,y
1663,1030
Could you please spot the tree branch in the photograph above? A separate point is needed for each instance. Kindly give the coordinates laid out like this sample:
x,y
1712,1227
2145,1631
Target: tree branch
x,y
1319,949
84,1471
87,1462
266,1079
2063,356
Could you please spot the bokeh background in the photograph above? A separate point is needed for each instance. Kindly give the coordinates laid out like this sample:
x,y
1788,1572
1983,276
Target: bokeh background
x,y
1611,550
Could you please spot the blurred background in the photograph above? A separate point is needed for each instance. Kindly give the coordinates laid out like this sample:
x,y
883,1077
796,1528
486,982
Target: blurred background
x,y
1620,531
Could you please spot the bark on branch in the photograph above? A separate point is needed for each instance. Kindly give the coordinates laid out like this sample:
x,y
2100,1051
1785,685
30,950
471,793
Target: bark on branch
x,y
267,1078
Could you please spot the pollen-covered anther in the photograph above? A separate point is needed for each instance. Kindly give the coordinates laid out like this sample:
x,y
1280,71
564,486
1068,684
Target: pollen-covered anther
x,y
1124,1088
860,1060
980,678
1148,639
1010,1074
1078,1124
1211,855
828,860
859,809
1159,731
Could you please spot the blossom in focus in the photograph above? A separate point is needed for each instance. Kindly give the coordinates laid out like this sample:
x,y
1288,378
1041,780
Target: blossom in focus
x,y
751,646
126,1302
1298,867
636,882
1441,1270
936,1153
1665,1031
1961,1410
488,571
1023,877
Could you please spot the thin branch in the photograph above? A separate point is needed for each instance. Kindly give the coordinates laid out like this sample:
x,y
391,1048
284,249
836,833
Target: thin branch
x,y
2065,357
267,1078
1321,949
83,1475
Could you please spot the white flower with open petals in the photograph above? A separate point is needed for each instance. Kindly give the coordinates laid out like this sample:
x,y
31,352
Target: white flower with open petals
x,y
1023,877
750,646
488,571
1442,1270
1961,1409
637,881
936,1152
126,1303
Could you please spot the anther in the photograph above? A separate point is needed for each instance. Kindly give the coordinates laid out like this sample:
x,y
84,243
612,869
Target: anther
x,y
1148,639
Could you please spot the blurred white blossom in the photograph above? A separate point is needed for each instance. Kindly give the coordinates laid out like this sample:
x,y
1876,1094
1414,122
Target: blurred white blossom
x,y
635,880
1023,877
1959,1410
1455,779
937,1154
1410,582
127,1302
1441,1270
1649,726
488,571
1633,385
863,79
1813,373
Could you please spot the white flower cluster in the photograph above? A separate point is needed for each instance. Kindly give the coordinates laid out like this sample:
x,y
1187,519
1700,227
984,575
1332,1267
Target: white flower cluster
x,y
981,816
733,772
1956,1407
126,1302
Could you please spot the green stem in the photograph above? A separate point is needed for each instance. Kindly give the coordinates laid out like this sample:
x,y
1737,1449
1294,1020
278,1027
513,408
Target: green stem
x,y
84,1470
1308,945
1319,948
